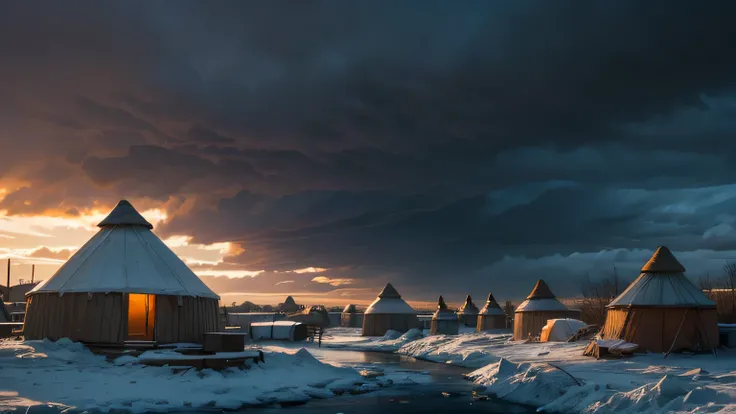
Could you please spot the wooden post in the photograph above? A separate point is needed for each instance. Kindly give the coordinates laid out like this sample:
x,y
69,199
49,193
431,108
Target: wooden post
x,y
33,272
8,273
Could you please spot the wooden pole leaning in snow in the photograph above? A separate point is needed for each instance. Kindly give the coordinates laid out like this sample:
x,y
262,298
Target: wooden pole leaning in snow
x,y
662,311
541,305
124,284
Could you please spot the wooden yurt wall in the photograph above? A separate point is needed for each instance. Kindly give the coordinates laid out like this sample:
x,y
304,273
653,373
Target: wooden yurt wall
x,y
185,323
655,328
489,322
531,323
444,327
468,320
379,324
96,318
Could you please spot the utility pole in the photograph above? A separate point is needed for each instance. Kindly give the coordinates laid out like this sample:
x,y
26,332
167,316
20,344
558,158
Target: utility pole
x,y
33,272
8,273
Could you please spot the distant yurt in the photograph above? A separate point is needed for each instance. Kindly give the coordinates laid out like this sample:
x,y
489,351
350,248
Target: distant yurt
x,y
491,316
388,312
444,321
289,306
662,311
123,285
468,313
350,318
541,305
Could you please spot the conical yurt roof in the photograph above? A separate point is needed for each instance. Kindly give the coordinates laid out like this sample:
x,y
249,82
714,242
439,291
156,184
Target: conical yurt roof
x,y
541,300
468,307
442,312
389,302
350,309
492,307
290,301
662,283
125,256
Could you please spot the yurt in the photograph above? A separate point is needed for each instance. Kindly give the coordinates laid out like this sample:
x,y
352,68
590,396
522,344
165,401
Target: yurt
x,y
388,312
444,321
350,318
491,316
468,313
123,285
662,311
541,305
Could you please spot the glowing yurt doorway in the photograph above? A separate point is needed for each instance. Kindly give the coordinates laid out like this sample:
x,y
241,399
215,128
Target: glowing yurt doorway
x,y
141,316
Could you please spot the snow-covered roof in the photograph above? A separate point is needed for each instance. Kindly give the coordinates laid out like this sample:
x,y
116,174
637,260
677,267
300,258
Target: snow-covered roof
x,y
541,299
442,312
128,258
468,307
662,283
541,305
350,309
389,302
491,307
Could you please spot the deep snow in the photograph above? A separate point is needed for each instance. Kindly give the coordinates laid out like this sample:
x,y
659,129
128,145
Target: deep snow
x,y
556,376
67,373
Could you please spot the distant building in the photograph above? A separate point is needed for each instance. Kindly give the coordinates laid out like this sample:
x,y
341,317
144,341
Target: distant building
x,y
289,306
468,313
491,316
388,312
444,321
541,305
18,292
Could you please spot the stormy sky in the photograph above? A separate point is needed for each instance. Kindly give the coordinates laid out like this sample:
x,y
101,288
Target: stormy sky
x,y
447,147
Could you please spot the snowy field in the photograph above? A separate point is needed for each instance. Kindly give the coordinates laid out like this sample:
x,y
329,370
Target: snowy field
x,y
69,375
532,373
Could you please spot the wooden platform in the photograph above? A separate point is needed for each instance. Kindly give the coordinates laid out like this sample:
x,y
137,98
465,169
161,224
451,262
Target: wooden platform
x,y
213,361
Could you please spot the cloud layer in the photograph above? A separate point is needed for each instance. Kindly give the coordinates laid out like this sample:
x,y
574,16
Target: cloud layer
x,y
431,146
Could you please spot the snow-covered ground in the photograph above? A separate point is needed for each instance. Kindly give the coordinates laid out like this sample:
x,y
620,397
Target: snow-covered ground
x,y
68,374
557,377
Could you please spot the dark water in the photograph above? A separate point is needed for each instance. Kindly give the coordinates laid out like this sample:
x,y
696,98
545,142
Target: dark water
x,y
448,392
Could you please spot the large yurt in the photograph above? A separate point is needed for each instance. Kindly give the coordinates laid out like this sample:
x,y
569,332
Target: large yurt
x,y
662,310
350,318
468,313
444,321
541,305
124,284
491,316
388,312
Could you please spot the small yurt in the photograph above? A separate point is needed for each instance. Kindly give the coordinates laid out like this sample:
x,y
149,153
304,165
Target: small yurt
x,y
662,310
540,306
289,306
388,312
468,313
350,318
491,316
444,321
123,285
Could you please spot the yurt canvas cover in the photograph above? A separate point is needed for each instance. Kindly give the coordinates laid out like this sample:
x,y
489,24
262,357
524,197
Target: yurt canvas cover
x,y
662,310
533,313
124,284
468,313
491,316
444,321
388,311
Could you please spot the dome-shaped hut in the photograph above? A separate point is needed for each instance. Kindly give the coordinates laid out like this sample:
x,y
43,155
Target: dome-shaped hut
x,y
444,321
491,316
350,318
468,313
662,310
123,284
388,312
541,305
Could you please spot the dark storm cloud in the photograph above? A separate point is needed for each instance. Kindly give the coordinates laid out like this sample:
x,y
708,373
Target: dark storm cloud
x,y
413,141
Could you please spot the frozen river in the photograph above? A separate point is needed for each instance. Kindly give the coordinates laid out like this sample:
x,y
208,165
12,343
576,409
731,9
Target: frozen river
x,y
444,391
